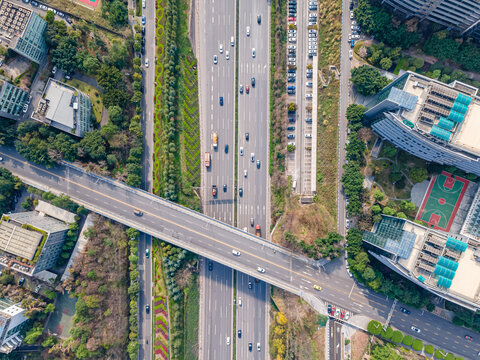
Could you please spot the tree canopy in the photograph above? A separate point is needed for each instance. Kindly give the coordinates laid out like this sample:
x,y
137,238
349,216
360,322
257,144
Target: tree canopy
x,y
368,80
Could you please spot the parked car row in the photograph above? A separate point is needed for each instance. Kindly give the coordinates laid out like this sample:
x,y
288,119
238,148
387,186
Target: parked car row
x,y
338,313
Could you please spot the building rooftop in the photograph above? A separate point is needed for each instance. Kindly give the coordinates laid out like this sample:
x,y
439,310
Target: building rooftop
x,y
45,223
64,107
446,113
18,241
55,212
441,262
24,29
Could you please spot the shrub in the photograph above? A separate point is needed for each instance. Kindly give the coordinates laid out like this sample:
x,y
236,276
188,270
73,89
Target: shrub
x,y
429,349
387,334
397,337
407,340
374,327
450,356
417,345
439,354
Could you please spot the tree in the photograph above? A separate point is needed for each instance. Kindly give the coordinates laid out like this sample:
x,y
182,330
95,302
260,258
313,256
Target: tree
x,y
115,114
418,174
368,80
387,334
33,334
91,64
354,116
7,131
417,345
388,211
116,12
429,349
376,209
65,55
386,63
401,215
50,17
374,327
49,342
407,206
397,337
378,195
290,147
418,62
117,54
292,107
390,151
407,340
395,173
93,145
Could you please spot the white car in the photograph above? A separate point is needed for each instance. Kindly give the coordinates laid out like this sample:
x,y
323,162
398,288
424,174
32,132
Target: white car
x,y
244,173
236,252
228,340
349,37
25,108
292,39
351,15
312,35
248,30
241,150
312,47
354,22
308,96
311,23
356,37
146,63
252,157
215,59
253,52
54,70
239,301
308,136
417,330
220,48
292,63
227,55
291,47
143,4
291,143
260,269
350,54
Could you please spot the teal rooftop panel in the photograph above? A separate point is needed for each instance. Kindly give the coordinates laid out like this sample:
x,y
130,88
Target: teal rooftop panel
x,y
446,124
31,43
464,99
456,116
444,282
459,107
441,133
449,264
456,244
443,271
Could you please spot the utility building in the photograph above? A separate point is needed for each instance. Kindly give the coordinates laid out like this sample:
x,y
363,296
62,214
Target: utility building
x,y
12,320
12,100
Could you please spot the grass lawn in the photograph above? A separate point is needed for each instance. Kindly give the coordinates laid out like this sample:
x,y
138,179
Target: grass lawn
x,y
191,318
93,93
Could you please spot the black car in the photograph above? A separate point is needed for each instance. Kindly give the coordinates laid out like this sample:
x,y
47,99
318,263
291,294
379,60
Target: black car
x,y
143,30
292,71
21,281
221,100
239,333
259,19
405,311
147,309
351,6
68,20
291,128
249,284
253,82
34,3
240,192
143,50
292,120
249,346
291,79
247,136
226,148
210,266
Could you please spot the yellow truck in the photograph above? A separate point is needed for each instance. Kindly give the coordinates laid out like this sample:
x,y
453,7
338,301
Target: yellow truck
x,y
207,159
215,140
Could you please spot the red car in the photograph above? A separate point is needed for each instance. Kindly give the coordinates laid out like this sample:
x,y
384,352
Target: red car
x,y
342,314
247,89
292,18
258,231
468,337
214,190
333,311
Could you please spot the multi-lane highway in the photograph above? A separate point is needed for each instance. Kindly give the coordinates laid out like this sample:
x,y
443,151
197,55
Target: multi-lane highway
x,y
335,339
216,27
145,296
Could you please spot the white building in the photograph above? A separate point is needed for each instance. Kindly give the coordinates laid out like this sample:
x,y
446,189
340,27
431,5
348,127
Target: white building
x,y
12,320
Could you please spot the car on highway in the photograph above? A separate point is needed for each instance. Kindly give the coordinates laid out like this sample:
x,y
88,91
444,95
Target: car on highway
x,y
260,269
226,148
247,89
247,136
405,311
147,309
258,164
239,332
241,150
214,190
252,157
253,52
220,48
350,54
137,212
244,173
1,159
468,337
210,266
252,221
308,136
248,30
215,59
250,285
417,330
316,287
258,346
259,19
253,82
249,346
241,89
240,192
227,55
258,232
221,100
290,128
144,20
228,340
224,187
147,253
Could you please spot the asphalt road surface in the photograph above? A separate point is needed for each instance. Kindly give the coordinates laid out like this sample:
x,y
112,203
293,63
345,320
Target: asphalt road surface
x,y
145,297
335,335
207,237
253,118
216,27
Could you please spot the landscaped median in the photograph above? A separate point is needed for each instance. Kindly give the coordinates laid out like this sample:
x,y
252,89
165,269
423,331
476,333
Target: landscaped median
x,y
397,338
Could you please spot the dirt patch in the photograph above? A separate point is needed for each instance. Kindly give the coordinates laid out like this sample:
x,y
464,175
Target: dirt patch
x,y
303,338
358,342
15,67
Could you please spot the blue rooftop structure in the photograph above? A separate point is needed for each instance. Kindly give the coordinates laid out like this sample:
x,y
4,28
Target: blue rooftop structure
x,y
402,98
456,244
463,99
441,133
456,116
446,124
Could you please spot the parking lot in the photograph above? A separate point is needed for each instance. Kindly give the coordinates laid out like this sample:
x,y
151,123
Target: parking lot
x,y
302,60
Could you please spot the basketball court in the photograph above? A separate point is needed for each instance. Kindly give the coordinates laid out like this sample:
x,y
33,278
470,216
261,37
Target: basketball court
x,y
92,3
442,200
